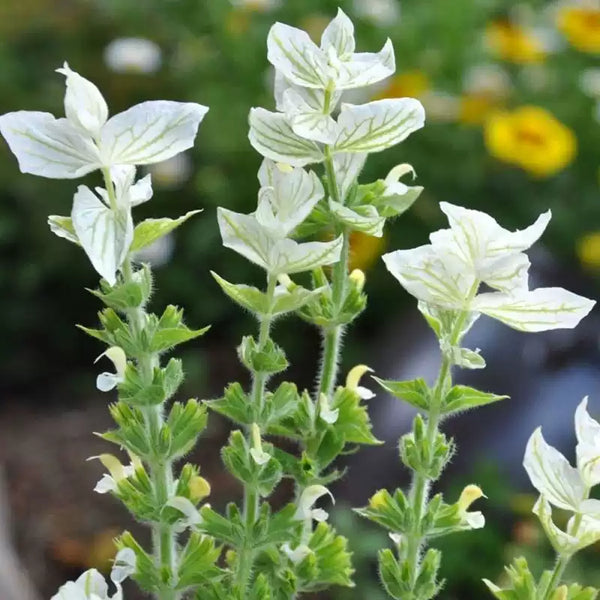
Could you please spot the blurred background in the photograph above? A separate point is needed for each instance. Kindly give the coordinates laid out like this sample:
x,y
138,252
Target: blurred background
x,y
512,95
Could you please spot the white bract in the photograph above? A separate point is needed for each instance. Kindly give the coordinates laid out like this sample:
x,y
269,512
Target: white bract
x,y
309,82
286,198
565,486
447,273
87,139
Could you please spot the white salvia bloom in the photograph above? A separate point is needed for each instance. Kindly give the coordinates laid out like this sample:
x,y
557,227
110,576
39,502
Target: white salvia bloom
x,y
307,500
191,516
472,519
116,471
173,172
333,65
353,378
123,565
87,140
108,381
398,196
137,55
259,456
447,273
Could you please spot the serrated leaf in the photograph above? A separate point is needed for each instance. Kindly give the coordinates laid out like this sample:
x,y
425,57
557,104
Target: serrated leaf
x,y
150,230
248,297
353,422
165,339
197,562
234,405
462,397
377,125
359,218
415,391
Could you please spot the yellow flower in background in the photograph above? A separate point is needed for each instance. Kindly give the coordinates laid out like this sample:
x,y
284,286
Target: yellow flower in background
x,y
410,84
475,108
580,24
531,138
588,250
513,43
364,250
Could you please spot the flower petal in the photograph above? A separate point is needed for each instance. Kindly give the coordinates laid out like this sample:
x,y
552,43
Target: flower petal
x,y
123,565
588,447
48,147
366,68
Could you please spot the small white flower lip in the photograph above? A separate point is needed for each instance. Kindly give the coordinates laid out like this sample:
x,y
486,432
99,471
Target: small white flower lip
x,y
133,55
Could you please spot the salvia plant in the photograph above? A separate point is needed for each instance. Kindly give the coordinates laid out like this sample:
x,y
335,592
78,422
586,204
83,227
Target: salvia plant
x,y
302,224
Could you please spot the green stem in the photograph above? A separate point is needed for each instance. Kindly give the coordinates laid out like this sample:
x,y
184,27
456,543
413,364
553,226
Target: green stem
x,y
332,335
421,483
160,471
257,395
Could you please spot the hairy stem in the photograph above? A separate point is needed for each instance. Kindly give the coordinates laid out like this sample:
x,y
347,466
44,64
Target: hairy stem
x,y
257,396
160,470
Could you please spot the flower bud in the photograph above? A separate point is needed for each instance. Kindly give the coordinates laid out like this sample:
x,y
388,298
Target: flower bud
x,y
357,277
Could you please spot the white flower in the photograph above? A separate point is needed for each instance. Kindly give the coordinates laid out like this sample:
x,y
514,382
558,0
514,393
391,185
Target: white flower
x,y
333,65
307,500
259,456
588,445
447,273
123,565
191,516
108,381
116,472
353,378
472,519
87,140
137,55
399,197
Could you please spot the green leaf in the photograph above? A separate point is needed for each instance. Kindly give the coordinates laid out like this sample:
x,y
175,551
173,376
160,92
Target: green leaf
x,y
165,339
234,405
248,297
132,432
292,300
353,422
229,530
268,359
462,397
150,230
415,391
186,422
280,404
197,562
332,560
392,512
126,295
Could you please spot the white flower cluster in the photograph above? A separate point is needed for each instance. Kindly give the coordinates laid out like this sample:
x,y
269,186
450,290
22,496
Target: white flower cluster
x,y
87,140
448,272
567,487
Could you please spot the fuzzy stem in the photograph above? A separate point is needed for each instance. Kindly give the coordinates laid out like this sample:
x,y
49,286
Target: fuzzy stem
x,y
160,470
421,483
257,395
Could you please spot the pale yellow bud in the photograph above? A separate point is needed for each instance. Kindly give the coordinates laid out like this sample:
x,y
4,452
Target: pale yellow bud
x,y
284,167
357,277
561,593
469,495
199,488
378,499
354,376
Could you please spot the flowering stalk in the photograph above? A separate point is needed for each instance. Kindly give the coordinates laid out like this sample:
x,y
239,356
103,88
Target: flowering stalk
x,y
568,488
101,223
445,276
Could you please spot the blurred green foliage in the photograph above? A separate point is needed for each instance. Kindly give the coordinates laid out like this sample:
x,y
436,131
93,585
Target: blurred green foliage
x,y
214,52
